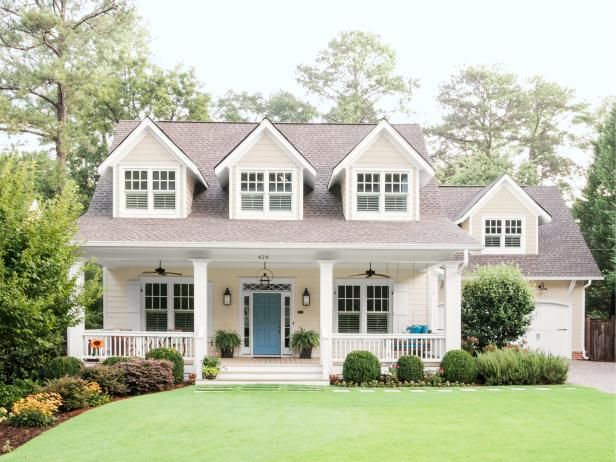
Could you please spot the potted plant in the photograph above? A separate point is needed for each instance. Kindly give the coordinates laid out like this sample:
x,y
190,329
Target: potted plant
x,y
210,367
227,340
304,341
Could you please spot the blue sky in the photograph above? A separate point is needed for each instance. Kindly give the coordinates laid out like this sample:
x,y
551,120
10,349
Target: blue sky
x,y
256,45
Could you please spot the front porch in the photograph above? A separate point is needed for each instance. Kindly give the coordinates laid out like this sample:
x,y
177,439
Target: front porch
x,y
183,311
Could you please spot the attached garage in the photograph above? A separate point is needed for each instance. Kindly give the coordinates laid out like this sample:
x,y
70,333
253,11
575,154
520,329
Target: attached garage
x,y
550,329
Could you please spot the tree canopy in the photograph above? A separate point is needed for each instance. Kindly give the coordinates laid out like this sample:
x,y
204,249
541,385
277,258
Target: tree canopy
x,y
355,74
281,106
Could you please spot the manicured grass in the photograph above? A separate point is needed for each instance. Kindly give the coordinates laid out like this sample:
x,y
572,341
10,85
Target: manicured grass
x,y
558,424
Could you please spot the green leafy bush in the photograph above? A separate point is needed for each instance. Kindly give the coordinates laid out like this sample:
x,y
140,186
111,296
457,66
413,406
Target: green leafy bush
x,y
170,355
111,379
61,366
410,368
360,367
111,360
459,366
76,393
511,366
496,305
147,375
20,388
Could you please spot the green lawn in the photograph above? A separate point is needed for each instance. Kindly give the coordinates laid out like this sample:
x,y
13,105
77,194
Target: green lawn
x,y
559,424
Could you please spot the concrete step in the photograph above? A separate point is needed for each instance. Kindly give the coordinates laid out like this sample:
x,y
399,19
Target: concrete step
x,y
222,383
269,377
271,369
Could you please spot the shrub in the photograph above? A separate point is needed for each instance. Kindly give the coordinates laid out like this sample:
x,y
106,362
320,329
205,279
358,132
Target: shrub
x,y
35,410
459,366
511,366
3,414
170,355
9,393
147,375
61,366
76,393
111,379
111,360
496,304
361,366
410,369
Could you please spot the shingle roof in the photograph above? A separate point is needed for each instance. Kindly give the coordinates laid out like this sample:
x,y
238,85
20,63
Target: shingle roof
x,y
562,249
323,145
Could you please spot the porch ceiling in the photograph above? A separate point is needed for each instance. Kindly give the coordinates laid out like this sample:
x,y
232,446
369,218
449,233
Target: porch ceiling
x,y
181,256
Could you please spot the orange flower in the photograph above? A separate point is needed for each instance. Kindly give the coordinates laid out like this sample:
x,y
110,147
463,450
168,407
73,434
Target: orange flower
x,y
97,343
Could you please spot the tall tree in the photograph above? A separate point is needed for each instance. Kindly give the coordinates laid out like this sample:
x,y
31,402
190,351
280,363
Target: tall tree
x,y
49,49
281,106
596,212
488,113
355,74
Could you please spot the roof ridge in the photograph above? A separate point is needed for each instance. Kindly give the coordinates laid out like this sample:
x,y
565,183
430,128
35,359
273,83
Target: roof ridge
x,y
273,123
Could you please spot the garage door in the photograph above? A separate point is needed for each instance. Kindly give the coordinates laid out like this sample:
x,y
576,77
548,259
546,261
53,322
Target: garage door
x,y
550,329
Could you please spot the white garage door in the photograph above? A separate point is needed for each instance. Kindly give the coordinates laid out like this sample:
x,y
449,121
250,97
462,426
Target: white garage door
x,y
550,329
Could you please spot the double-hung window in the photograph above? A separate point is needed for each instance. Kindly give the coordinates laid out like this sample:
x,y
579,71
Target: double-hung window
x,y
169,305
382,192
150,189
363,308
270,191
503,233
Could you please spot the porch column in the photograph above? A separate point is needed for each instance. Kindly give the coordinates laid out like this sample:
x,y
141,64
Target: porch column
x,y
453,306
326,290
432,275
200,313
74,336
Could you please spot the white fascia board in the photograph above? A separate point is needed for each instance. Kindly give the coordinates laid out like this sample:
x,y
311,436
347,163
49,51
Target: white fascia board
x,y
383,127
507,181
261,245
222,169
564,278
147,125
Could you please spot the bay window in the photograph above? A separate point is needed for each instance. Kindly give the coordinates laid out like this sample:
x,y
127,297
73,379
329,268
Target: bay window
x,y
363,307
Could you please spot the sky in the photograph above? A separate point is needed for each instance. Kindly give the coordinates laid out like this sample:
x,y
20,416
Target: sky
x,y
256,45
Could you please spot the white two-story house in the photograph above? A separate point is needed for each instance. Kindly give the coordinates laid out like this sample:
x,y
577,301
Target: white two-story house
x,y
267,228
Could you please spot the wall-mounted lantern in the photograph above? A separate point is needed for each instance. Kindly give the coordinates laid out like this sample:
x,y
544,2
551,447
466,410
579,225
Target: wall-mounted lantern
x,y
226,297
542,286
306,298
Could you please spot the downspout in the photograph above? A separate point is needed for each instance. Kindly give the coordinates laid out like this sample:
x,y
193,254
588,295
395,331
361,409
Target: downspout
x,y
584,356
464,263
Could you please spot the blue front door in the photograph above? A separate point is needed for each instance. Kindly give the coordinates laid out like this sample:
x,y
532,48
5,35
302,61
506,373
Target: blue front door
x,y
266,324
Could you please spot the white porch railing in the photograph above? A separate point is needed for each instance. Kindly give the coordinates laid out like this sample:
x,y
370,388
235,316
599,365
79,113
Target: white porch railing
x,y
389,347
135,343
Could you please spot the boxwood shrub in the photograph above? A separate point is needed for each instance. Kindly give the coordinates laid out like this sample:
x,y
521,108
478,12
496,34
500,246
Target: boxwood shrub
x,y
170,355
459,366
111,360
360,367
512,366
147,375
111,379
61,366
410,369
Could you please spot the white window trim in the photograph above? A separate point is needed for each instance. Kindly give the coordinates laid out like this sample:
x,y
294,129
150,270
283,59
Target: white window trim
x,y
170,311
502,249
151,212
247,351
363,304
266,213
411,199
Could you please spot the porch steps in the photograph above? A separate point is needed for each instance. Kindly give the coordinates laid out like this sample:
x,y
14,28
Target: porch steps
x,y
270,374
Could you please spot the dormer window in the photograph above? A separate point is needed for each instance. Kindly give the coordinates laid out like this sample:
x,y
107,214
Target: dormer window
x,y
276,196
382,191
503,234
150,190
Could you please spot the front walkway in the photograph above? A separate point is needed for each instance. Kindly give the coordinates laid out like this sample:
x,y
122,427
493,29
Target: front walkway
x,y
599,375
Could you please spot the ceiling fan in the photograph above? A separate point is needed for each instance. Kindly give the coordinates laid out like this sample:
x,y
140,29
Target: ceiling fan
x,y
161,271
370,273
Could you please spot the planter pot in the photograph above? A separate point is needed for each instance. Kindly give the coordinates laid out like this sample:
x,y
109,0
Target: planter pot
x,y
210,377
226,352
305,353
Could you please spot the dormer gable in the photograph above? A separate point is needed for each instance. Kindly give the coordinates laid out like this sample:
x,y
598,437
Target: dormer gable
x,y
381,176
265,176
152,177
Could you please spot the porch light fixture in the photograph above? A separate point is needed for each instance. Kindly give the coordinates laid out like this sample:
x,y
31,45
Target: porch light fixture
x,y
542,286
306,298
265,276
226,297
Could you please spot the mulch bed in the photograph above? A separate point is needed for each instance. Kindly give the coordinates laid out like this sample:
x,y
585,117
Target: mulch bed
x,y
13,437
